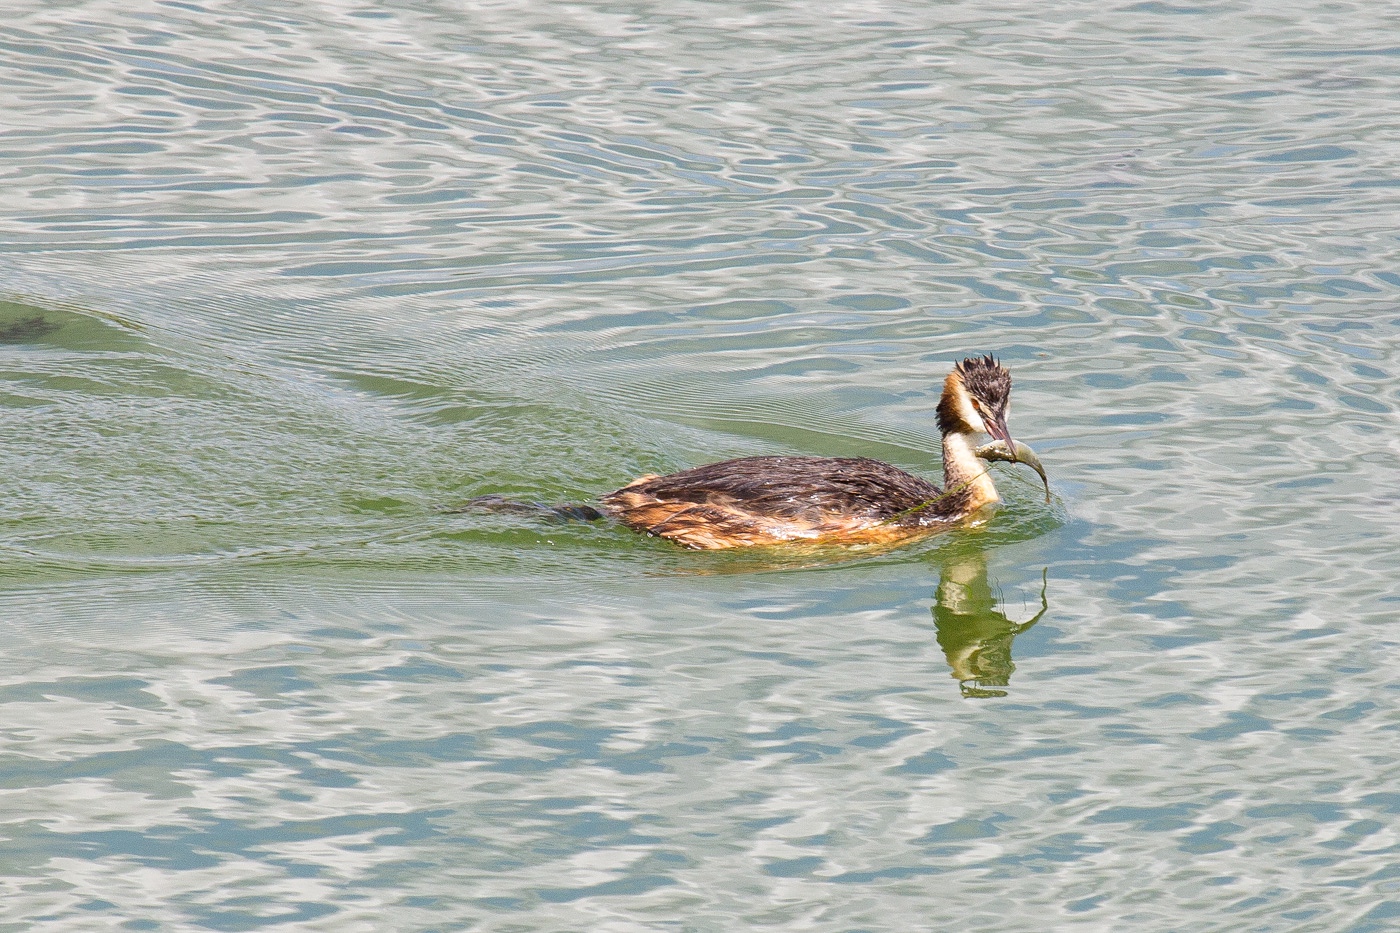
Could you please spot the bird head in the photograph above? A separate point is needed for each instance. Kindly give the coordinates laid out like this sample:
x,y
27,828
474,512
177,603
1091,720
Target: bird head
x,y
976,399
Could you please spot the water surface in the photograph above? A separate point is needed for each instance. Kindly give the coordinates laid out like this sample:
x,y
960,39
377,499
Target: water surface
x,y
284,283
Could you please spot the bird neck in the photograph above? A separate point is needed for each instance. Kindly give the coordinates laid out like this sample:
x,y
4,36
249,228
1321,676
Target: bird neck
x,y
966,482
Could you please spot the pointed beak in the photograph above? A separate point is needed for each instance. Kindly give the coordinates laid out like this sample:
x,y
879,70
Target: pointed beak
x,y
996,427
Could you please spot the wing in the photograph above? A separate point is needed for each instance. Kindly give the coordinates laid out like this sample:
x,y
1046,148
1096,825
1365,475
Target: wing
x,y
765,500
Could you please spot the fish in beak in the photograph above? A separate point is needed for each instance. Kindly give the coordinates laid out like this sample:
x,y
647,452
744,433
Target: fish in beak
x,y
1009,451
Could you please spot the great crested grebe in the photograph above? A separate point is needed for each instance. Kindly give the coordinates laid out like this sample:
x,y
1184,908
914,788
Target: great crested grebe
x,y
836,500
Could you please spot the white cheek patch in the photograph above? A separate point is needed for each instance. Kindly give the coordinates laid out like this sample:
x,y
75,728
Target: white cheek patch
x,y
971,416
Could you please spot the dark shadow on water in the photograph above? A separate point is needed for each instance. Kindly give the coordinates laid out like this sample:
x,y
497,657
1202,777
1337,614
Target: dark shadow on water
x,y
26,329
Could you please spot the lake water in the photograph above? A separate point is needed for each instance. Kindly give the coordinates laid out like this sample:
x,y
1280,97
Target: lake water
x,y
285,282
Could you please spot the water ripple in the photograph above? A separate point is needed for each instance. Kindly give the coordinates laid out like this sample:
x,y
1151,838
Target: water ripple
x,y
282,283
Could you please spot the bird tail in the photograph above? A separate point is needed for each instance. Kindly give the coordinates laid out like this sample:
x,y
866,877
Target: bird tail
x,y
560,513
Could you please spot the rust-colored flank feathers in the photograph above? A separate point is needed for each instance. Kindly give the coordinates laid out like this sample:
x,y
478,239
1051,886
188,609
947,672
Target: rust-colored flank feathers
x,y
835,500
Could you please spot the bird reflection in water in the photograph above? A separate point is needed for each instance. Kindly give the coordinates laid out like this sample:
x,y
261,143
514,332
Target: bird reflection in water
x,y
973,630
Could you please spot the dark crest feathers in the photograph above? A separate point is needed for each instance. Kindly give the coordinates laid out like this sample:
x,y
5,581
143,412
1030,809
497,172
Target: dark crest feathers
x,y
986,379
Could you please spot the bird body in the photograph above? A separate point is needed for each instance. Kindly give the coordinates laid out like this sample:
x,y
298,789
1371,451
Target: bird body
x,y
836,500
